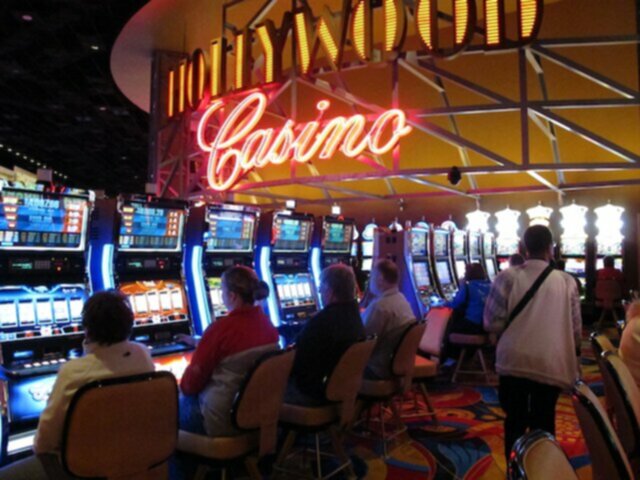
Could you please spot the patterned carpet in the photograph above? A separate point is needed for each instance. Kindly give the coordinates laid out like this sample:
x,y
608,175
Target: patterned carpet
x,y
468,442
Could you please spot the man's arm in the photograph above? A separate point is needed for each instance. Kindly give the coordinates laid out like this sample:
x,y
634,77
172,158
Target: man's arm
x,y
496,308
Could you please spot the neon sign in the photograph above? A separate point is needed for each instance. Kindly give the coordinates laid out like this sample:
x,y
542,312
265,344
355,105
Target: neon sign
x,y
350,31
238,147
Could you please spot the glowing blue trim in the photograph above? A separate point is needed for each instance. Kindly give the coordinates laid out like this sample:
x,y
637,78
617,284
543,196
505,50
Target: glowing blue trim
x,y
107,267
274,312
204,314
315,268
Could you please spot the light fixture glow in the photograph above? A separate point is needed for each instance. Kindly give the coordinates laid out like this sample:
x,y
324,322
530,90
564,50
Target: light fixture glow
x,y
478,221
539,215
508,229
573,223
609,224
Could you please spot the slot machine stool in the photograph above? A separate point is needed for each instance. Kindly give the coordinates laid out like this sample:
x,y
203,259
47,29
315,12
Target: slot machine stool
x,y
470,342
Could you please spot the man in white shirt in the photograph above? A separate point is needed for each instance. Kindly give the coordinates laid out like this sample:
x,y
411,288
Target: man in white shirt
x,y
387,316
107,320
536,354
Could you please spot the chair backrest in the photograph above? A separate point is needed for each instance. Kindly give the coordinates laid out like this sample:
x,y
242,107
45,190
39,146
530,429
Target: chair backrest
x,y
121,427
257,404
404,358
600,344
344,382
608,292
437,322
624,397
537,456
608,459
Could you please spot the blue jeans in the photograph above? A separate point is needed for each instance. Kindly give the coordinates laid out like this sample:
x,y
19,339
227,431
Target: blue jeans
x,y
190,418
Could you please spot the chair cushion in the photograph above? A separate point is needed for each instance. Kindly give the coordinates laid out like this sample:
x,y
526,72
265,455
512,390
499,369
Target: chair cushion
x,y
309,416
425,368
462,339
217,448
379,388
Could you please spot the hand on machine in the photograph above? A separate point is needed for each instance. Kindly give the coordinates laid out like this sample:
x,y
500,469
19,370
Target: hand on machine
x,y
186,339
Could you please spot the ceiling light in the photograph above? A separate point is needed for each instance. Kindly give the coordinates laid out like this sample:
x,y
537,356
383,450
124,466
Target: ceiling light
x,y
9,149
95,48
26,17
103,109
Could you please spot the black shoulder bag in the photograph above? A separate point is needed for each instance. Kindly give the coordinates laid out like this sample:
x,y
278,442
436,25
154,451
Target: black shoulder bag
x,y
528,296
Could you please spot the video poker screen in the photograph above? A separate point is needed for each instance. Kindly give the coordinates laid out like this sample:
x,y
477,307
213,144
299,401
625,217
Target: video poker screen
x,y
444,274
214,286
294,290
491,268
418,243
291,234
367,263
337,237
33,220
507,247
156,301
150,228
573,246
440,244
421,275
576,266
229,231
28,312
459,248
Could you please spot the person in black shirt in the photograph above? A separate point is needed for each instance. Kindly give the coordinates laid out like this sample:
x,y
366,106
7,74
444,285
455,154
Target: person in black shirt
x,y
325,337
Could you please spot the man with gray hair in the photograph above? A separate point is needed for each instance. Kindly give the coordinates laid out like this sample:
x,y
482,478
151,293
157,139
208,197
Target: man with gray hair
x,y
325,336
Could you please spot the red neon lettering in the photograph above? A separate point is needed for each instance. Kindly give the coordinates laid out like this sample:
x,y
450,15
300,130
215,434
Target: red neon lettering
x,y
238,147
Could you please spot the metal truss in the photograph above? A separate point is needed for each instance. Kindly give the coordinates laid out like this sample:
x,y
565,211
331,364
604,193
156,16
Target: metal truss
x,y
177,168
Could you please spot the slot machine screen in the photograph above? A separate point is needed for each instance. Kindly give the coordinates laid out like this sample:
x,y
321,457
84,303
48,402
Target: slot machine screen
x,y
229,231
214,286
576,266
337,237
461,268
440,241
507,247
444,276
291,234
156,301
367,249
617,263
294,290
458,244
491,269
421,275
366,264
475,246
146,228
28,312
573,246
33,220
418,243
487,244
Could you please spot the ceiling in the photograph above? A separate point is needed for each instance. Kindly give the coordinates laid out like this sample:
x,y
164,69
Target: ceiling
x,y
59,105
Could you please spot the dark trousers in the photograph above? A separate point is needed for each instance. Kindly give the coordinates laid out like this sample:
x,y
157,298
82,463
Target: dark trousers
x,y
528,405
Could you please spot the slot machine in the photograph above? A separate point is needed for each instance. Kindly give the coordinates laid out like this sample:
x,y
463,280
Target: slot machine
x,y
218,236
489,255
138,243
333,236
609,240
508,239
441,260
367,245
417,247
475,247
573,241
43,288
284,249
459,254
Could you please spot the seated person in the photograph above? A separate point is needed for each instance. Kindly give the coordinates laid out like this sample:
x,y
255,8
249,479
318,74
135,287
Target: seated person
x,y
561,265
629,349
107,320
609,272
325,336
515,260
387,316
468,304
228,349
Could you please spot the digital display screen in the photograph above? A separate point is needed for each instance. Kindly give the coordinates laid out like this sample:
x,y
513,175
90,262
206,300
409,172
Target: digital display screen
x,y
229,231
28,312
573,246
459,249
367,249
32,220
491,269
444,276
503,264
156,301
214,286
366,264
617,263
441,244
291,234
418,243
337,237
294,290
608,248
487,241
507,247
576,266
145,228
421,275
461,268
475,246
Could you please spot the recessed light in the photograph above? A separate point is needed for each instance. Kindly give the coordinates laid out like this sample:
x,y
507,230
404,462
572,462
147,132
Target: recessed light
x,y
9,149
95,48
26,17
103,109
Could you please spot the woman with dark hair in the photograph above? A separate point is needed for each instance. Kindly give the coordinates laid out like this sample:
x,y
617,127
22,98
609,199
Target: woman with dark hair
x,y
468,304
228,349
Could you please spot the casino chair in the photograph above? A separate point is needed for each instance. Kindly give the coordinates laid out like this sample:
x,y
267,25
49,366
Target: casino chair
x,y
341,389
124,427
427,360
475,343
537,456
608,459
624,398
601,344
255,411
381,393
608,295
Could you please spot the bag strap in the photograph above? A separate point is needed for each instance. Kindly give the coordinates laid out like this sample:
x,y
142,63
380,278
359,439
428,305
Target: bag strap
x,y
529,295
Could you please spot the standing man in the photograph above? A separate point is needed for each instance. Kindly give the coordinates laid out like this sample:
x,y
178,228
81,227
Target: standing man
x,y
387,316
537,354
